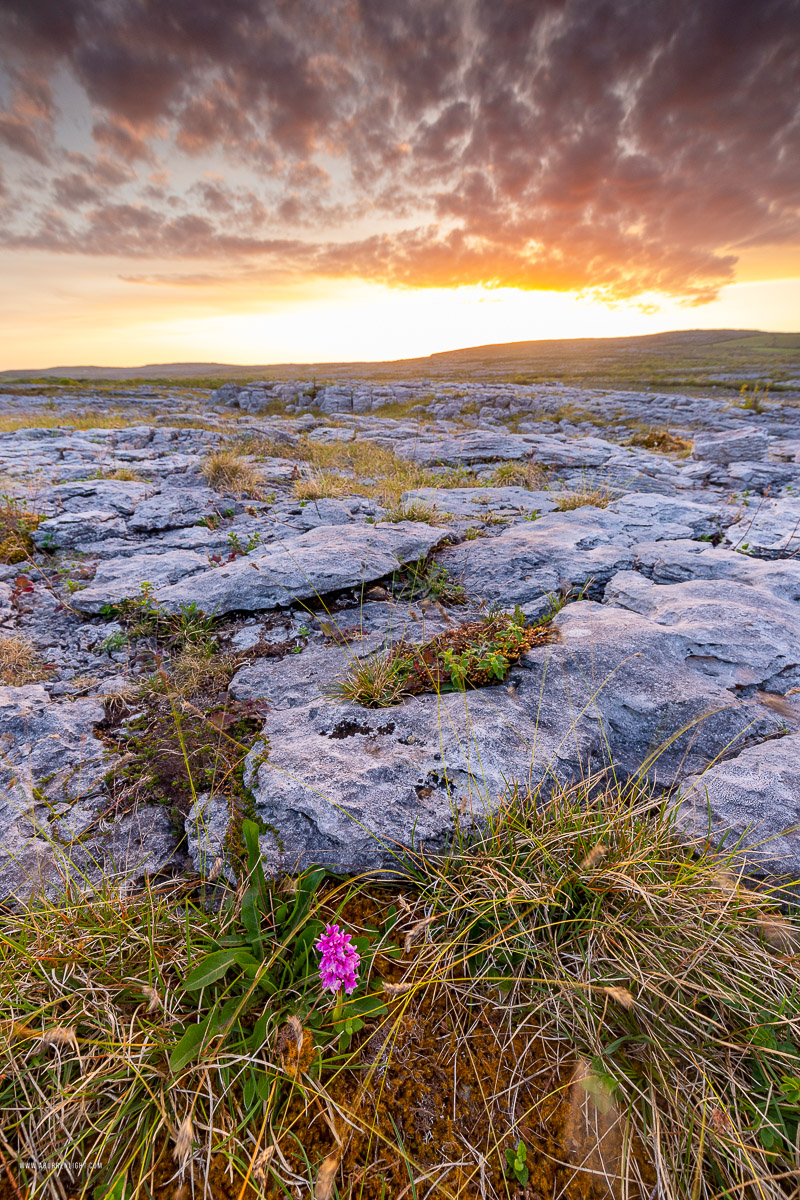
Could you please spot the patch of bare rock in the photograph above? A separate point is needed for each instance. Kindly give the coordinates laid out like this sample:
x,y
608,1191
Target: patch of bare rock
x,y
674,658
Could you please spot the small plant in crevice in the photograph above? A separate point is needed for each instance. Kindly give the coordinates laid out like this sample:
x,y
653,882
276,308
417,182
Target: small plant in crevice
x,y
416,510
475,654
661,439
17,524
143,618
427,579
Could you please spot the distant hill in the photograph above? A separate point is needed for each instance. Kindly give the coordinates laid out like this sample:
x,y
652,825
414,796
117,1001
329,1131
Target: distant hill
x,y
687,357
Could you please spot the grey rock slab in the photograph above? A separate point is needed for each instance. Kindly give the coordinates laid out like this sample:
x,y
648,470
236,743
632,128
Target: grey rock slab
x,y
299,679
651,515
499,446
738,445
46,746
49,756
122,578
678,561
616,688
750,804
117,495
739,636
71,529
483,501
768,529
324,560
172,508
351,787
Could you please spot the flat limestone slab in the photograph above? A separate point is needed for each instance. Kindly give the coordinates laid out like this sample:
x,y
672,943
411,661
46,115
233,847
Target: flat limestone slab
x,y
750,803
328,559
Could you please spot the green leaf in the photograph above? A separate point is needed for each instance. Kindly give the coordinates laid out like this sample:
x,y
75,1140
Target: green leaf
x,y
189,1046
116,1190
259,1034
211,968
522,1174
511,1157
251,919
365,1006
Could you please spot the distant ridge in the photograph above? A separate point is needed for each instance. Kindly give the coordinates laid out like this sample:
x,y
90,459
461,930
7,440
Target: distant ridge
x,y
709,349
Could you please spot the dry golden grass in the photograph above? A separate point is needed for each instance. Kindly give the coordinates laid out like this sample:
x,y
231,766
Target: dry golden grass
x,y
417,510
597,497
228,470
19,661
521,474
54,420
198,668
126,474
661,440
357,468
321,485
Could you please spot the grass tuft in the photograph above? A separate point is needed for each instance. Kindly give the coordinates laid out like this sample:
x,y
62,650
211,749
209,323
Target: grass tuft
x,y
227,470
660,439
417,510
17,523
597,497
521,474
19,661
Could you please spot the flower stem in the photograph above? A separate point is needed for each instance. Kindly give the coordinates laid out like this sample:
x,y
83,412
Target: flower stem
x,y
337,1008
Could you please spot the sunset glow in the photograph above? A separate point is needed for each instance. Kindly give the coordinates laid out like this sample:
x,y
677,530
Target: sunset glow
x,y
265,182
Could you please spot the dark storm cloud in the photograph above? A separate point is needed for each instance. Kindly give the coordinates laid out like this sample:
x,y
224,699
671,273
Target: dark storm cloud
x,y
620,145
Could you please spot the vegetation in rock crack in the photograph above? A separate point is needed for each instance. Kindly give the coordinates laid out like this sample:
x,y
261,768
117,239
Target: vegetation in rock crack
x,y
416,510
597,497
227,470
572,982
660,439
427,579
522,474
143,617
471,655
20,661
17,523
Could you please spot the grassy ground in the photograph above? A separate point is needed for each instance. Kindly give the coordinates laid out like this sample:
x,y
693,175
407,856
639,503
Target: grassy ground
x,y
571,1005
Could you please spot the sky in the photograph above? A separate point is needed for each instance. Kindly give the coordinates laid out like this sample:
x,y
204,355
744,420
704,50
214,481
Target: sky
x,y
262,181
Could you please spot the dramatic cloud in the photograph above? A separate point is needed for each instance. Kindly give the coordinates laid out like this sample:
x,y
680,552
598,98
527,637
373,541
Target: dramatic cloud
x,y
615,145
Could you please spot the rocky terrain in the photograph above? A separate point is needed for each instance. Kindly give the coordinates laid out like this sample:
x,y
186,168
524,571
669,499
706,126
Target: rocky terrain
x,y
186,576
